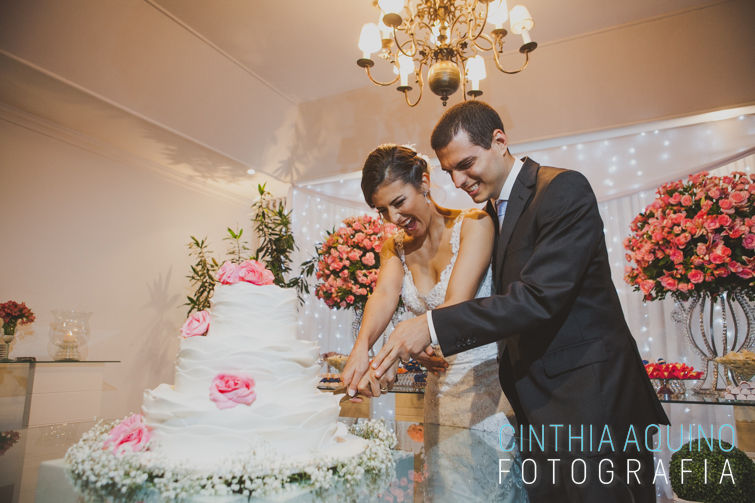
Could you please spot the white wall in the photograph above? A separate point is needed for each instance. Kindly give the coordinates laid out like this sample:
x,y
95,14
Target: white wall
x,y
82,231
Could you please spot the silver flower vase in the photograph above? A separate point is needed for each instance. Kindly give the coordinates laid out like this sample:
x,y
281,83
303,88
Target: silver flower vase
x,y
713,328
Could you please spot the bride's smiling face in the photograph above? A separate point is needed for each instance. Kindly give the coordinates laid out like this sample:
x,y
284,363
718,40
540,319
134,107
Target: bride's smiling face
x,y
405,205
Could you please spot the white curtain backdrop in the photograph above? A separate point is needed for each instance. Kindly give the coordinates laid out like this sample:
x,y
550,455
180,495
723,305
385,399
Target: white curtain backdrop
x,y
322,205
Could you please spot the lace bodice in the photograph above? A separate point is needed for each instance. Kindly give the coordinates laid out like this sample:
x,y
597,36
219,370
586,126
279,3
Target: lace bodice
x,y
468,394
415,302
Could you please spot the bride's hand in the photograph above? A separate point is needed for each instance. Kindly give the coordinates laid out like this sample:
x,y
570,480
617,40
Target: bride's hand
x,y
356,367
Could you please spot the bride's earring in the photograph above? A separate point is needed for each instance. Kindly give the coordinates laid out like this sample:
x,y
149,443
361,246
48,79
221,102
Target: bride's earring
x,y
427,197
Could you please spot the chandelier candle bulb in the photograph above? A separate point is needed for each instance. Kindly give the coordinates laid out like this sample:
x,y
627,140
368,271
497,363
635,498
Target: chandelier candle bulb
x,y
498,13
476,71
391,6
406,66
369,40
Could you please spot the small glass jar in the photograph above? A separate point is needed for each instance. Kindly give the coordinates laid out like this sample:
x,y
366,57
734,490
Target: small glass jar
x,y
69,335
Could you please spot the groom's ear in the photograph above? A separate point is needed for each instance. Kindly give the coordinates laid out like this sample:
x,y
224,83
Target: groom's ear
x,y
500,141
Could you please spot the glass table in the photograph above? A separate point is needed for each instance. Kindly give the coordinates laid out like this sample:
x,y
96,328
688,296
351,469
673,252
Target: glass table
x,y
20,380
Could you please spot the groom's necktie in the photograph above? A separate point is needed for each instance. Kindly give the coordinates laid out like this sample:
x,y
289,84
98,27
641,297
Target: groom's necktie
x,y
501,208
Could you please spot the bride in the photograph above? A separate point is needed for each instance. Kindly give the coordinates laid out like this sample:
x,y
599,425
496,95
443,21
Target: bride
x,y
439,257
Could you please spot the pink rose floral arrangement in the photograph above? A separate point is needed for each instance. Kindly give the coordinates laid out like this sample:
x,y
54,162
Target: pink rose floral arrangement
x,y
130,434
14,313
198,323
230,390
696,237
249,271
348,262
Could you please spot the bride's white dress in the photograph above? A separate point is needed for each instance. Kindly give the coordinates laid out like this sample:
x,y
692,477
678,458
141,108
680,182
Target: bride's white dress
x,y
468,394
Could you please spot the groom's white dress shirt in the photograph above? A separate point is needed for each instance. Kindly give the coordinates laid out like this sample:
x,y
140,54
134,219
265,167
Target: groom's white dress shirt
x,y
500,205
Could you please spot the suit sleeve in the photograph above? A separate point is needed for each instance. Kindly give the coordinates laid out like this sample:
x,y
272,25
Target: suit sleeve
x,y
569,232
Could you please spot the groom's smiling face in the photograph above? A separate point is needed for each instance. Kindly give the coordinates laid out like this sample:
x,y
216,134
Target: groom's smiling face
x,y
477,171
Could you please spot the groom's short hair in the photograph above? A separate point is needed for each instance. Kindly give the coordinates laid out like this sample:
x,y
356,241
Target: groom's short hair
x,y
477,118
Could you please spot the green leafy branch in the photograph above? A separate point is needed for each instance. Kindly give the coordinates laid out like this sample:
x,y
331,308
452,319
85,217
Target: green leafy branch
x,y
202,278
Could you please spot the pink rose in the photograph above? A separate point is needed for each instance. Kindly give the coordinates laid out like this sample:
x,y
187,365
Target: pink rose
x,y
682,239
738,197
229,390
686,200
228,273
676,255
196,324
350,299
130,434
669,283
724,220
726,205
647,286
737,231
684,287
745,273
255,272
369,259
749,241
721,272
696,276
735,267
712,224
717,258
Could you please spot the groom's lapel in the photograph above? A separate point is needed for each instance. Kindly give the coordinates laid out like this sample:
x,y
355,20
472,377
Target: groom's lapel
x,y
520,194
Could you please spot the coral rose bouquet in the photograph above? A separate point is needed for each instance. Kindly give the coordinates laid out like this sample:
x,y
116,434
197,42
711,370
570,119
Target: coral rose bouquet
x,y
696,237
348,262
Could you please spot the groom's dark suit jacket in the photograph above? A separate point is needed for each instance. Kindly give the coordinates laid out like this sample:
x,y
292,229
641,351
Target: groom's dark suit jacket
x,y
566,355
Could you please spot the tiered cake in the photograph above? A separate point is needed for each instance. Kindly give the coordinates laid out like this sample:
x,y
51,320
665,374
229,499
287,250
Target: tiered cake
x,y
243,417
252,334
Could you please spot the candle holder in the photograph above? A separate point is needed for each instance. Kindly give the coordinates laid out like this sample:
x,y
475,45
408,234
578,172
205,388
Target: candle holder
x,y
69,335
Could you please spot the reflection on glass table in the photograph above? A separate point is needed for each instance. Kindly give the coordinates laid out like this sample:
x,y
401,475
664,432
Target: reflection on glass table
x,y
690,397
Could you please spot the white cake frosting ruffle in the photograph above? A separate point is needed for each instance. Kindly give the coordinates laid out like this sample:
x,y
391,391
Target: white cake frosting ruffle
x,y
252,331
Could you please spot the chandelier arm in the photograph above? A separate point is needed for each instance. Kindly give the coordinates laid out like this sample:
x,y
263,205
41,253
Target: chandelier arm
x,y
399,45
456,21
460,63
511,72
484,37
482,26
378,82
421,87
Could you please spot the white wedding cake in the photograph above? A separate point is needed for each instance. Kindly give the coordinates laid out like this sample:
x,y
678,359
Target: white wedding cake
x,y
252,336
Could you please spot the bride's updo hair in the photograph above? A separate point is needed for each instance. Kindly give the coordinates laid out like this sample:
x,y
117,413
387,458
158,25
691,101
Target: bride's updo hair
x,y
389,163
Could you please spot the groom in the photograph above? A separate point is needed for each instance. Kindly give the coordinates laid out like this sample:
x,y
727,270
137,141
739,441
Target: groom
x,y
567,359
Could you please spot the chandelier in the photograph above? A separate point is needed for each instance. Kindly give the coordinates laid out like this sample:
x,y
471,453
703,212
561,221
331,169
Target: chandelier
x,y
446,36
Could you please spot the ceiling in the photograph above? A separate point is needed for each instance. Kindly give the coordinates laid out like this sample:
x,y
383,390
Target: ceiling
x,y
307,50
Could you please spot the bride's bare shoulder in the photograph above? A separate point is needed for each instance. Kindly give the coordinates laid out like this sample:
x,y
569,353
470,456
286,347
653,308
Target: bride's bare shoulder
x,y
476,221
477,214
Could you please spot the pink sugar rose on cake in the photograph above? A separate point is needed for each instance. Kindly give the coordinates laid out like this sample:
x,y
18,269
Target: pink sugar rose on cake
x,y
230,390
130,434
255,272
228,273
196,324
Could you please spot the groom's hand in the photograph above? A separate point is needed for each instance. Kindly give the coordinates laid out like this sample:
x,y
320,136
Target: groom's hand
x,y
409,338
